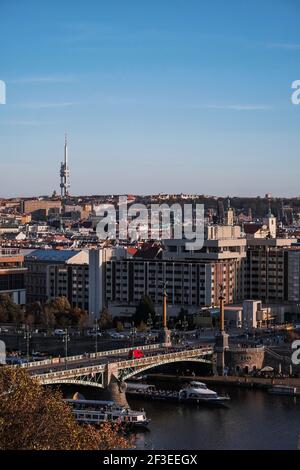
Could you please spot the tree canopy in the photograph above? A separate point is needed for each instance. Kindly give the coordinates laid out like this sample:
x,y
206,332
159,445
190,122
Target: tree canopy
x,y
144,310
105,320
9,311
37,418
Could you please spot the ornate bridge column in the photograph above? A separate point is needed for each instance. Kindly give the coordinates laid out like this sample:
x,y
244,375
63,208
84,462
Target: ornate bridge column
x,y
222,343
165,336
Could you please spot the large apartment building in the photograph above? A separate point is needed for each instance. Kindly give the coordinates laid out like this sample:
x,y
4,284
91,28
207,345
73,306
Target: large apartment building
x,y
192,277
56,273
292,260
40,208
12,275
267,269
250,264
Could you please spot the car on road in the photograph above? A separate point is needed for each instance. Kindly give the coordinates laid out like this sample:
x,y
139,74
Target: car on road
x,y
117,335
4,330
59,332
12,360
135,354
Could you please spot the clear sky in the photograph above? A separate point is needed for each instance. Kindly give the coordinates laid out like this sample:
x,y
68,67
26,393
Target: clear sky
x,y
156,96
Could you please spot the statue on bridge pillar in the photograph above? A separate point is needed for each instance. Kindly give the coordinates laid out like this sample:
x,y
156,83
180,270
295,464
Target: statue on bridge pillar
x,y
165,333
222,338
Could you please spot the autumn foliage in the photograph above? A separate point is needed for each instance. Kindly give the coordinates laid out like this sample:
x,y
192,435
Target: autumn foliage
x,y
37,418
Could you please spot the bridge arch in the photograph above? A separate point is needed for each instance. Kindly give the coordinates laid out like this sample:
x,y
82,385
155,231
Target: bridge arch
x,y
125,374
85,383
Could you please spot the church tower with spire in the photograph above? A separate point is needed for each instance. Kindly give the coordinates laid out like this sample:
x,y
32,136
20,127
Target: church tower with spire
x,y
270,222
229,216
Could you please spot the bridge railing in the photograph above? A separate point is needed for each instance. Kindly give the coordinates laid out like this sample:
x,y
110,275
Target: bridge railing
x,y
63,360
146,347
246,348
280,357
170,355
70,372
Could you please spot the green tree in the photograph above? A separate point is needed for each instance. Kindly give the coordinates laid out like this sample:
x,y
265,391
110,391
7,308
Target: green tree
x,y
105,320
60,308
143,310
142,327
9,311
34,310
48,318
119,327
79,317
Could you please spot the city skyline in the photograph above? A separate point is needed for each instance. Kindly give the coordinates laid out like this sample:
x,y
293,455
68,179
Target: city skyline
x,y
154,99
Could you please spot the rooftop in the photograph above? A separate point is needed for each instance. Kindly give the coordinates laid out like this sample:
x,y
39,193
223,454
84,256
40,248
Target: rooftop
x,y
51,255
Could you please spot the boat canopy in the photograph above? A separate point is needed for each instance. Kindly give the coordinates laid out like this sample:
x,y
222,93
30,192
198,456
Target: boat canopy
x,y
267,369
92,402
138,386
194,383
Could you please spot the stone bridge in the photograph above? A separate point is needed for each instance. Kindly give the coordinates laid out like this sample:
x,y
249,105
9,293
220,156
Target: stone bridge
x,y
99,371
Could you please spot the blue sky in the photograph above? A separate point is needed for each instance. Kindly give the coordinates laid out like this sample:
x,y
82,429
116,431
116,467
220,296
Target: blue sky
x,y
156,96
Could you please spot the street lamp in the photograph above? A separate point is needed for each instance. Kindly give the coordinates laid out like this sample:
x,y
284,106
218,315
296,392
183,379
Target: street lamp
x,y
66,339
149,324
133,332
185,323
96,329
149,321
27,337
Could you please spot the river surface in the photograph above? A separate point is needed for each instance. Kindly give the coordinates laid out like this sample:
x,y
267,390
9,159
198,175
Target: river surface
x,y
254,419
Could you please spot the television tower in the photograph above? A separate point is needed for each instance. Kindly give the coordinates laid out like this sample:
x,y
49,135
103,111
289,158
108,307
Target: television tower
x,y
65,173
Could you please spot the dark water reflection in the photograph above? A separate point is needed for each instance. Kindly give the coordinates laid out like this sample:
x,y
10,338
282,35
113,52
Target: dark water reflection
x,y
253,420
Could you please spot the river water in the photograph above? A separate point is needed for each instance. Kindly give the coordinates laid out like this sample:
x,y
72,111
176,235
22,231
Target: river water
x,y
254,419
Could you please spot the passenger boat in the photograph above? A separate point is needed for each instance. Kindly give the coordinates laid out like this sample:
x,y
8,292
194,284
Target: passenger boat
x,y
195,392
98,412
283,390
139,389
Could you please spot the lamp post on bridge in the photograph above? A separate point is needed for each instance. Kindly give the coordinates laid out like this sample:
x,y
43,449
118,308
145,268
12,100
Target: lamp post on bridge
x,y
27,337
149,324
221,337
66,339
149,321
165,333
133,333
96,330
185,323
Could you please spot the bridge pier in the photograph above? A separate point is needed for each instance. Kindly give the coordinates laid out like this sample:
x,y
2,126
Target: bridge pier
x,y
220,350
116,390
165,337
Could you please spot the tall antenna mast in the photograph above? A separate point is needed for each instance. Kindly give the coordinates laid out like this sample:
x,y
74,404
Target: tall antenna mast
x,y
65,173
